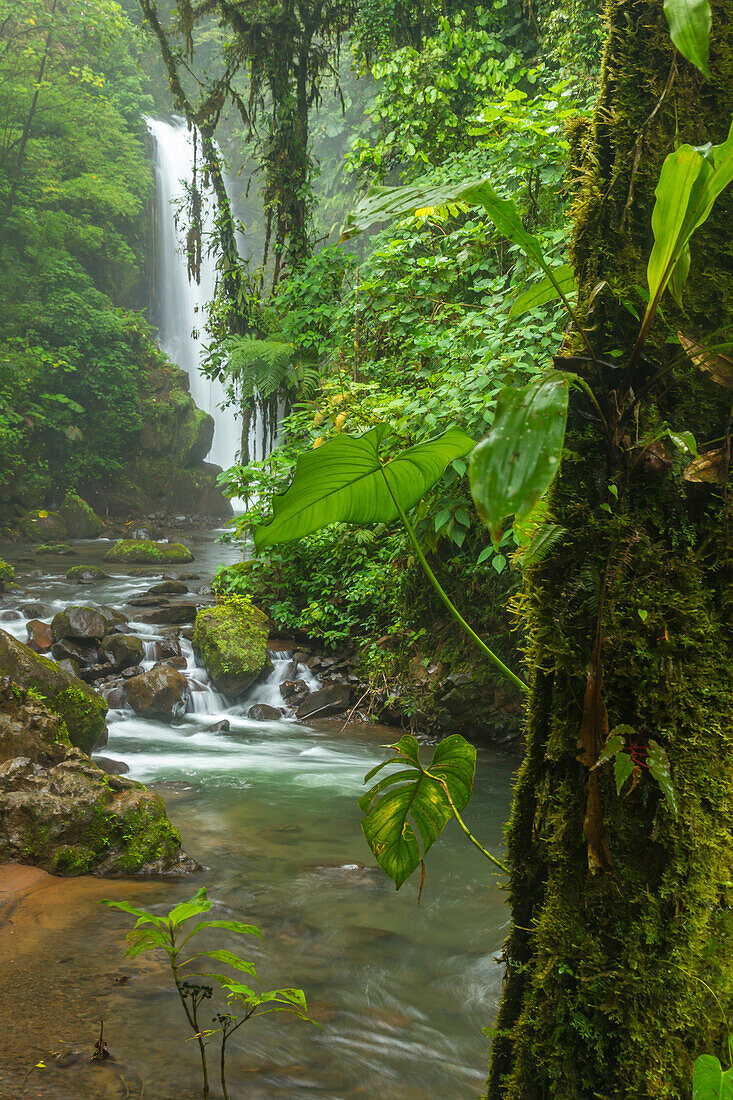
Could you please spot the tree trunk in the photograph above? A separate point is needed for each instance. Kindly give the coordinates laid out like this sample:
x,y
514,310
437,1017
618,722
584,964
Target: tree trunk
x,y
619,964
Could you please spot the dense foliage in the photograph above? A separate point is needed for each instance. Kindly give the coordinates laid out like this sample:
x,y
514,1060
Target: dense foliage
x,y
74,181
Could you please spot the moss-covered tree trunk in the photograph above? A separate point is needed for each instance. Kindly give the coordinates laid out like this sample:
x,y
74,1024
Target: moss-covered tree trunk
x,y
619,965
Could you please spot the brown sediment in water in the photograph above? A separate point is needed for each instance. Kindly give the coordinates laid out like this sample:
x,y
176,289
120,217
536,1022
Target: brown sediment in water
x,y
51,991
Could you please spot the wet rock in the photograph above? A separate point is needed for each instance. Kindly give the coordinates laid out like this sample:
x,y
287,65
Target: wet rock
x,y
160,693
82,709
332,699
230,641
70,666
82,653
85,574
122,650
301,656
80,520
141,551
116,621
111,767
33,610
10,616
40,637
135,670
174,613
172,662
294,691
61,812
219,727
79,621
114,695
261,712
168,588
95,672
147,601
167,646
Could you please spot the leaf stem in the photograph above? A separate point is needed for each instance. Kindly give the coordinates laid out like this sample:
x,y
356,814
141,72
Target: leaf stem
x,y
445,598
442,783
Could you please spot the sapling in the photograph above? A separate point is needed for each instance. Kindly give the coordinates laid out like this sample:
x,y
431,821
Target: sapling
x,y
154,933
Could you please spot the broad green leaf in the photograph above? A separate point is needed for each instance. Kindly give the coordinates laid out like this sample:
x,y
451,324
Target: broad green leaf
x,y
623,769
684,441
234,987
233,960
658,762
613,744
689,184
144,917
198,904
710,1081
229,926
539,294
345,481
690,22
148,939
382,203
406,811
514,466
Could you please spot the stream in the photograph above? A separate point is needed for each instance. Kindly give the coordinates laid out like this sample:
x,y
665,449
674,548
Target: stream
x,y
401,990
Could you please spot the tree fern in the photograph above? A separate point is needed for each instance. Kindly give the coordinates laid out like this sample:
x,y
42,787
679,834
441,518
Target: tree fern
x,y
262,368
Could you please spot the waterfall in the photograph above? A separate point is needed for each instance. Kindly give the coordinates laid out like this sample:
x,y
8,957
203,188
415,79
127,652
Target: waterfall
x,y
180,304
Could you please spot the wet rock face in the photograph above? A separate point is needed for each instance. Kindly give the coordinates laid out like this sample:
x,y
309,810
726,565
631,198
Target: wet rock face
x,y
160,693
261,712
40,637
79,621
333,699
80,520
85,574
230,641
82,709
59,811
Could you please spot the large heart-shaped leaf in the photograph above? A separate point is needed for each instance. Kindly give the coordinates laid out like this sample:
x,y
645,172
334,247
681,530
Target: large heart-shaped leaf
x,y
407,810
512,469
345,481
710,1081
690,22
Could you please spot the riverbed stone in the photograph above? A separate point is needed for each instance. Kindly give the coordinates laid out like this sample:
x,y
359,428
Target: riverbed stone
x,y
83,574
230,641
263,712
332,699
168,588
122,650
160,693
140,551
79,621
57,549
82,709
40,637
84,653
60,811
81,521
172,615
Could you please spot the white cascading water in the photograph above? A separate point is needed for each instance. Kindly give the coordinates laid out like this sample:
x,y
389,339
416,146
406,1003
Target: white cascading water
x,y
180,304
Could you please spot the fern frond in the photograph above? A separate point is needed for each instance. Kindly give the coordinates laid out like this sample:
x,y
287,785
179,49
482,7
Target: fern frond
x,y
262,368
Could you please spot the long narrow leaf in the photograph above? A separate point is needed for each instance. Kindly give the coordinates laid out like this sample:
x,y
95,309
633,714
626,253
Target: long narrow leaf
x,y
546,290
690,22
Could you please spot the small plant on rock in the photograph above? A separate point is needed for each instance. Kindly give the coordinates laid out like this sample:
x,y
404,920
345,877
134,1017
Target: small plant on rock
x,y
173,934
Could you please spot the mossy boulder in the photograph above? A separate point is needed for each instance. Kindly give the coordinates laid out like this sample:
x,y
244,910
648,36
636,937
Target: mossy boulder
x,y
41,525
122,650
174,425
59,549
160,693
83,574
230,641
59,811
7,575
81,521
83,710
141,551
79,621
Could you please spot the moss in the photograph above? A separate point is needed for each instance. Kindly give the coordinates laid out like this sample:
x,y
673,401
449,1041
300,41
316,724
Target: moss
x,y
145,550
41,524
230,641
81,520
614,980
84,572
7,575
72,859
148,836
84,714
60,548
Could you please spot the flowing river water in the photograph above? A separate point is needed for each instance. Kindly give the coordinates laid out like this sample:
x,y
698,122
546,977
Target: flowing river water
x,y
402,990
